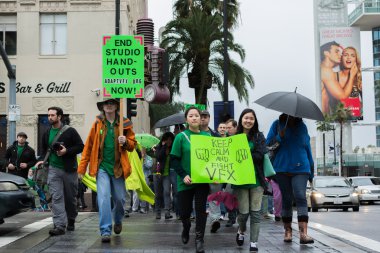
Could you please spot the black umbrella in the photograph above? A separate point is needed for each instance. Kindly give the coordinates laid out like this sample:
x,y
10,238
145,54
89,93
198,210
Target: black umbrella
x,y
291,103
175,119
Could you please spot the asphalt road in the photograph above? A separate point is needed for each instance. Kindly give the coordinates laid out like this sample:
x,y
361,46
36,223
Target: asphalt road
x,y
364,222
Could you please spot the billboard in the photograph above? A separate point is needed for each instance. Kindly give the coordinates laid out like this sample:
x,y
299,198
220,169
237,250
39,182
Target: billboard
x,y
340,70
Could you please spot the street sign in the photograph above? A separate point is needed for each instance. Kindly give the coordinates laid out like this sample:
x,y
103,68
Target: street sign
x,y
14,112
123,65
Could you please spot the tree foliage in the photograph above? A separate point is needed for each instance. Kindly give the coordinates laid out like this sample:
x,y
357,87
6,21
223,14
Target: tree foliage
x,y
194,42
158,111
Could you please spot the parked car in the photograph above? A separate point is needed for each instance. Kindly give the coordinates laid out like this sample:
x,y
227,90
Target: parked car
x,y
332,192
15,195
368,188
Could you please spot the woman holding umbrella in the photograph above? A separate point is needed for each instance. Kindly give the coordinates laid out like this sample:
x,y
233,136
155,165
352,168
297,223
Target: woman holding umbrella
x,y
293,164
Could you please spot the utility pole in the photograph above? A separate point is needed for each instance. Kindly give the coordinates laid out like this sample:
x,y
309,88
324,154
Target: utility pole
x,y
226,59
12,91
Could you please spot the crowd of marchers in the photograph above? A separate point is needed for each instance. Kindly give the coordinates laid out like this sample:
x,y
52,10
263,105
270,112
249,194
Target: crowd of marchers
x,y
166,167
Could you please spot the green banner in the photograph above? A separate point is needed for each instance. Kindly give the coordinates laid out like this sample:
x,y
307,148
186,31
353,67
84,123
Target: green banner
x,y
222,160
123,66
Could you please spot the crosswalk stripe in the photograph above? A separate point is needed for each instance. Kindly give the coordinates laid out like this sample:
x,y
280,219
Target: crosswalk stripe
x,y
24,231
357,239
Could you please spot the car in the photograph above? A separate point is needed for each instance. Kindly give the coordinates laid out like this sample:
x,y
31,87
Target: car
x,y
332,192
368,188
15,195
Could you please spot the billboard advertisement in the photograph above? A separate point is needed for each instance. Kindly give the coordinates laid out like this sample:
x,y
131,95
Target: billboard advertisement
x,y
341,78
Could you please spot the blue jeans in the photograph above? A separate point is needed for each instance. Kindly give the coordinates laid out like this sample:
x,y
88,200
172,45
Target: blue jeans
x,y
108,186
173,181
162,192
293,185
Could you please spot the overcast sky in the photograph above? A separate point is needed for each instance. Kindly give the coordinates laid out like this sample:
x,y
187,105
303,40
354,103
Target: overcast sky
x,y
278,37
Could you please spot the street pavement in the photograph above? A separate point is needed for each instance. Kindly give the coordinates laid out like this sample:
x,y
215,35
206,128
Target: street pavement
x,y
142,233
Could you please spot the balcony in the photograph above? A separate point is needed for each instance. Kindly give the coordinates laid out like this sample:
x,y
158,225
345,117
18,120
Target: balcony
x,y
353,160
366,15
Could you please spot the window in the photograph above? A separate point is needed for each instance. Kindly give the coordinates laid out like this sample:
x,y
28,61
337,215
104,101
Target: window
x,y
8,38
378,136
53,34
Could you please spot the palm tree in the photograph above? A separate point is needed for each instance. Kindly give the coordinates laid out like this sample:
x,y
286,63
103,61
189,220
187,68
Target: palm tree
x,y
182,8
325,126
341,115
194,42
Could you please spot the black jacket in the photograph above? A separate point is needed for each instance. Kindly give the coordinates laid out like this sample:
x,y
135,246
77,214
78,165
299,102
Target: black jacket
x,y
161,158
258,157
73,144
27,156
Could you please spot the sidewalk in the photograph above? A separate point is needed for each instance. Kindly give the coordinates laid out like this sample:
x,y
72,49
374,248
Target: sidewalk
x,y
142,233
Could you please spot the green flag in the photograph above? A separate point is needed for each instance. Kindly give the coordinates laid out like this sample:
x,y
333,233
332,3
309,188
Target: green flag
x,y
222,160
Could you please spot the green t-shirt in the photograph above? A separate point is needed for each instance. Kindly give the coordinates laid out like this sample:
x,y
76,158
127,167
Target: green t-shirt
x,y
54,160
19,150
248,186
108,161
181,148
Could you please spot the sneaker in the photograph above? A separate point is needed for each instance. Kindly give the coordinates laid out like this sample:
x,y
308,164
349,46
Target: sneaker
x,y
126,214
267,216
106,238
70,225
168,216
239,239
215,225
253,247
117,228
143,211
56,231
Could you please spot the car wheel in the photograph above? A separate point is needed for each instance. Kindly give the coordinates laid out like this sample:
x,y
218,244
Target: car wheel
x,y
345,209
1,221
314,209
355,209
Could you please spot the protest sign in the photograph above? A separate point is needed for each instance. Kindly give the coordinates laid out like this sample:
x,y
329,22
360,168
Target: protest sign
x,y
123,66
222,160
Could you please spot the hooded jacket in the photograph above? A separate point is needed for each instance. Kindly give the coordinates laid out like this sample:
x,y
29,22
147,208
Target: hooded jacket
x,y
92,154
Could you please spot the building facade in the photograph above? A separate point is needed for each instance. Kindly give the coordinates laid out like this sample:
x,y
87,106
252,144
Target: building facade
x,y
366,15
56,47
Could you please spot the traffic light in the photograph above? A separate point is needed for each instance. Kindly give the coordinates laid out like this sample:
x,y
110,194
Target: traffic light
x,y
163,67
159,66
131,107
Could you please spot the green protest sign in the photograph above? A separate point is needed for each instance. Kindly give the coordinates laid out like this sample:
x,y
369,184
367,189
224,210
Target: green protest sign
x,y
222,160
123,66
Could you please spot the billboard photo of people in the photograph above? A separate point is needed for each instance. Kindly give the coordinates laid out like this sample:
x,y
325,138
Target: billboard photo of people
x,y
341,78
